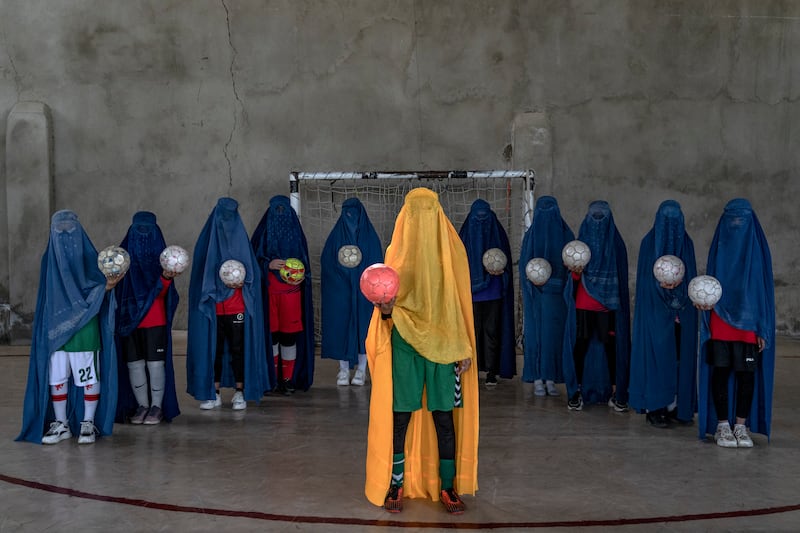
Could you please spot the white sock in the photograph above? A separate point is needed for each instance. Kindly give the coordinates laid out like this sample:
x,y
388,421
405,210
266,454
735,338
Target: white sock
x,y
138,379
157,380
344,366
362,362
59,407
673,405
289,353
721,425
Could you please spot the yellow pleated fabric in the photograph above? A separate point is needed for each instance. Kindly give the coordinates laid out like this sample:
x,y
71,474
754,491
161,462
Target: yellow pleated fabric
x,y
433,313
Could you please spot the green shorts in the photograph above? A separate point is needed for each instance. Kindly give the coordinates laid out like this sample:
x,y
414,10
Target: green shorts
x,y
411,371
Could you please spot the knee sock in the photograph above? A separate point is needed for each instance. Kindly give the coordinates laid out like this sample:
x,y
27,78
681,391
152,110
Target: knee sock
x,y
276,358
447,472
344,366
138,379
58,393
398,468
91,395
362,362
157,381
288,356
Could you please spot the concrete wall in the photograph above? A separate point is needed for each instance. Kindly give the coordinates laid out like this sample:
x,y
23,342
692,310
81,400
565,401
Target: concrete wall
x,y
167,105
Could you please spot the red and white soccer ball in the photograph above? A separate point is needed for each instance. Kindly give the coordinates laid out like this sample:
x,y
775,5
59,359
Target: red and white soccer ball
x,y
538,271
705,291
174,259
349,256
113,261
576,254
379,283
232,273
669,269
494,260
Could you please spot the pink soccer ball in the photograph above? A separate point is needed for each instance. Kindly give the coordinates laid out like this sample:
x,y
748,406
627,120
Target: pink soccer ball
x,y
379,283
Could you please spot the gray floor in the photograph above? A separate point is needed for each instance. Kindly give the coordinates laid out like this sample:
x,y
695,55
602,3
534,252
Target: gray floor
x,y
297,464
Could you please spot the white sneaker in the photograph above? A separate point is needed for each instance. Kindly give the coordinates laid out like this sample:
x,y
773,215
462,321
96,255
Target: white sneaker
x,y
343,378
359,378
551,388
238,401
211,404
88,432
724,436
538,388
743,440
58,431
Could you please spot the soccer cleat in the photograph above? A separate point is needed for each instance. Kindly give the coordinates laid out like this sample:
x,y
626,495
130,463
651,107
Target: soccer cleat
x,y
618,406
154,416
452,502
141,413
58,431
343,378
551,389
657,418
538,388
743,440
238,401
359,378
287,388
211,404
88,432
576,402
394,499
724,437
491,379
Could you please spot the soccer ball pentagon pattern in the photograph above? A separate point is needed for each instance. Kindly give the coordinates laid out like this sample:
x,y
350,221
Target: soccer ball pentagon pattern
x,y
349,256
379,283
576,254
113,261
293,272
232,272
494,259
669,269
705,291
174,259
538,271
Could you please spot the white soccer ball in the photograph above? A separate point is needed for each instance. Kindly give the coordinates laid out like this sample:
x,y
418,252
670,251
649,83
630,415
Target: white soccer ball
x,y
705,291
494,260
113,261
538,271
669,269
174,259
576,254
232,272
349,256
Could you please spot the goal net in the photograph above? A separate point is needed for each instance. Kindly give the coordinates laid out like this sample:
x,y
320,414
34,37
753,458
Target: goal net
x,y
318,196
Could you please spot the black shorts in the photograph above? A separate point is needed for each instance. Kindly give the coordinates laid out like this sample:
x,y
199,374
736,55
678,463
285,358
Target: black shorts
x,y
146,343
590,323
741,356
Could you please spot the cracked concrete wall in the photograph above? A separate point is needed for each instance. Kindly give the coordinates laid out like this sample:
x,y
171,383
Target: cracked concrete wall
x,y
168,105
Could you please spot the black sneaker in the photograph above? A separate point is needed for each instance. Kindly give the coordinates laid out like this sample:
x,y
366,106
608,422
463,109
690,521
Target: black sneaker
x,y
491,379
287,388
575,403
619,407
657,418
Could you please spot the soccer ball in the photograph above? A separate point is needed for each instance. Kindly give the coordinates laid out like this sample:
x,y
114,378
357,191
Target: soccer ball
x,y
538,271
293,272
379,283
494,260
576,254
174,259
232,272
349,256
113,261
669,269
705,291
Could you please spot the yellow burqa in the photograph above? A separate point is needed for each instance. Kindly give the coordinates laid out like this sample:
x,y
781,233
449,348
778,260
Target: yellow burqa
x,y
433,313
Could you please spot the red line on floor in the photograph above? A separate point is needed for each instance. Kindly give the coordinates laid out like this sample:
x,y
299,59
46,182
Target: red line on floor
x,y
256,515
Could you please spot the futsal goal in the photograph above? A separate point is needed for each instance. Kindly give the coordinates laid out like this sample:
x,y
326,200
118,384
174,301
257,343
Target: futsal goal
x,y
317,197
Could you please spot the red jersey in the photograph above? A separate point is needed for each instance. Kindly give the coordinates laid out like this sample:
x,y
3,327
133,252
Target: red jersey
x,y
722,331
584,300
233,305
157,314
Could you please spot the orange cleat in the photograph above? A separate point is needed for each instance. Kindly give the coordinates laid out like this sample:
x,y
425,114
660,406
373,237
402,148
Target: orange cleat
x,y
394,499
452,502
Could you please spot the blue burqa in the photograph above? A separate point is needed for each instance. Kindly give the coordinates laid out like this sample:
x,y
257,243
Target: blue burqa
x,y
481,231
279,235
605,278
740,259
345,311
136,293
545,311
657,376
224,237
72,291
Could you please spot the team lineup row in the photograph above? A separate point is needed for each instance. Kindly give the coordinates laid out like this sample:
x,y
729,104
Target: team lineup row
x,y
102,349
